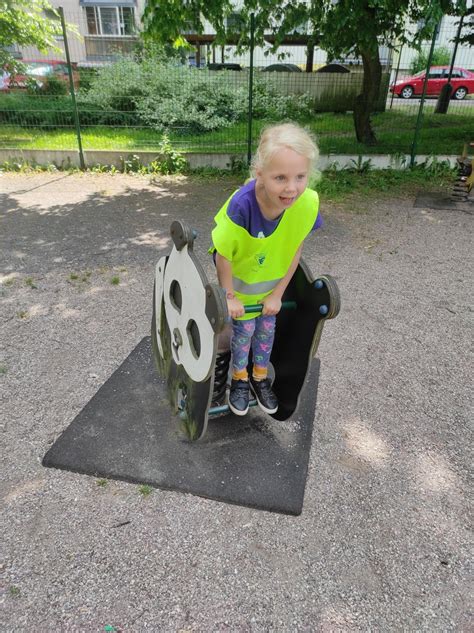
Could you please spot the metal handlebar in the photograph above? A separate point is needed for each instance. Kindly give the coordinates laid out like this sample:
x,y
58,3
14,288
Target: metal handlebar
x,y
288,305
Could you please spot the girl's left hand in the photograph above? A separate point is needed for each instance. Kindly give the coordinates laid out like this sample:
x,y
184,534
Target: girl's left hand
x,y
271,305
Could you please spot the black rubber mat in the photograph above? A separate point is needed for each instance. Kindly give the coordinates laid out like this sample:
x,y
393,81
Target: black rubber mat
x,y
437,200
127,431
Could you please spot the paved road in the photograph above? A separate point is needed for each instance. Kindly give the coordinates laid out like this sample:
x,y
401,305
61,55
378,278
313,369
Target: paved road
x,y
383,543
455,106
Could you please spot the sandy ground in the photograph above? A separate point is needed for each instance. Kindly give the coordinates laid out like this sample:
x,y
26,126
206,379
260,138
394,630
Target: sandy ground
x,y
383,542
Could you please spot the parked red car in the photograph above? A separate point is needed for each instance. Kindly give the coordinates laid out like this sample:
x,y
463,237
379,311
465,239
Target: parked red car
x,y
462,81
39,70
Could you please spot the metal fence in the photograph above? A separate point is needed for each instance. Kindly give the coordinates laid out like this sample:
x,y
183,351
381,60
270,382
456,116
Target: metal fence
x,y
115,95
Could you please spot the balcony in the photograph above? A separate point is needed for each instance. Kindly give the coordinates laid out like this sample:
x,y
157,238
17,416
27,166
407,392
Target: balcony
x,y
99,48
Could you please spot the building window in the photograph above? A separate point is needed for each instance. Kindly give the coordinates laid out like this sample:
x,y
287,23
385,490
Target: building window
x,y
234,22
436,73
421,25
110,20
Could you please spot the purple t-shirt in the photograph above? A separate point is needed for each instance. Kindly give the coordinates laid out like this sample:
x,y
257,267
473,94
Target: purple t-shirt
x,y
244,210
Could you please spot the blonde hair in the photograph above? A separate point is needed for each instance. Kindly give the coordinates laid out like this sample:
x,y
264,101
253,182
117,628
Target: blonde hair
x,y
285,135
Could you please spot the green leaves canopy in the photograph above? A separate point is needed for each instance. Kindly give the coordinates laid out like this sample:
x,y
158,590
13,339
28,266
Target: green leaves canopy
x,y
24,23
338,26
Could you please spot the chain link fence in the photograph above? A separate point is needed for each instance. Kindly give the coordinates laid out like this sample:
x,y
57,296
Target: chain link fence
x,y
130,99
417,81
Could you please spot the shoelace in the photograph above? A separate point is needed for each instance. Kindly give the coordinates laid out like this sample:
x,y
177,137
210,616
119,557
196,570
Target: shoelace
x,y
264,387
240,391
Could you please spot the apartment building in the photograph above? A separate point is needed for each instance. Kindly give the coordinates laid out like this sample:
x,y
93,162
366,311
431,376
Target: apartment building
x,y
107,28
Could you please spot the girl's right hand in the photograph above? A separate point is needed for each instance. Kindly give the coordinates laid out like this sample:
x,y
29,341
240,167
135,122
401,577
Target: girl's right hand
x,y
235,308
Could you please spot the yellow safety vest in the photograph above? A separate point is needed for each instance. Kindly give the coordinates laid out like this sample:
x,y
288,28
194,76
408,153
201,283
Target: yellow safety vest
x,y
259,264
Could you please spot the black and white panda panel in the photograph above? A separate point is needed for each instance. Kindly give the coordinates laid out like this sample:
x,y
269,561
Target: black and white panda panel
x,y
188,315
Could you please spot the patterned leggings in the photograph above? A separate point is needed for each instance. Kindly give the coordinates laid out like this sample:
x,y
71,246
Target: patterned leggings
x,y
258,333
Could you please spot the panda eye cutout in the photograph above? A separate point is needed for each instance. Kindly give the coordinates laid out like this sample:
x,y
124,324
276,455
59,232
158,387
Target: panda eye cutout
x,y
192,331
176,296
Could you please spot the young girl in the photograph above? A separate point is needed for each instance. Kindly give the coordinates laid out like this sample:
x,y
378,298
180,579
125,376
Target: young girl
x,y
258,239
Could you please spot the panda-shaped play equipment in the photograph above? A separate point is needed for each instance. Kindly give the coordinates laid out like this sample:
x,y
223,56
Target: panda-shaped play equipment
x,y
191,333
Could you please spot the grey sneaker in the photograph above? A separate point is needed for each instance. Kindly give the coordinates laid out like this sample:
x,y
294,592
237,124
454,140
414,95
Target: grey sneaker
x,y
239,397
266,399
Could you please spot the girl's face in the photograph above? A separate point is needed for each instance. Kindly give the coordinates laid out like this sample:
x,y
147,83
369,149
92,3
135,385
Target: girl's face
x,y
282,180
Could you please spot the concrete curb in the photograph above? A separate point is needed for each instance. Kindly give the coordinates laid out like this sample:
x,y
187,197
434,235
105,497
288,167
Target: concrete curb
x,y
66,158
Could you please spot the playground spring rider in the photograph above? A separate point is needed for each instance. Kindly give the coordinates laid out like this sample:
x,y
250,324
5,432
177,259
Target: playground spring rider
x,y
190,334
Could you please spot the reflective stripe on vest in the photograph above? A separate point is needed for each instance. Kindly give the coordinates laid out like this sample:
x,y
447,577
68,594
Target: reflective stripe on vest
x,y
261,287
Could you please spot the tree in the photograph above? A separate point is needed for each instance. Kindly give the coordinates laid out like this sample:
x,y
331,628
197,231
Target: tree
x,y
463,36
25,23
441,57
340,27
467,33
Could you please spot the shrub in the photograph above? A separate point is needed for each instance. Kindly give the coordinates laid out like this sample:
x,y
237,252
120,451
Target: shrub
x,y
190,101
115,87
171,162
441,57
50,85
54,111
36,110
86,76
160,94
168,95
54,86
268,103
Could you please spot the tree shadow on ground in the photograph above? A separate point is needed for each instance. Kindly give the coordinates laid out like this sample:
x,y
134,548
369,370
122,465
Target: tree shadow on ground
x,y
43,229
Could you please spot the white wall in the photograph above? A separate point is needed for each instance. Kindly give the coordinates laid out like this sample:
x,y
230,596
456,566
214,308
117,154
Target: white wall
x,y
447,33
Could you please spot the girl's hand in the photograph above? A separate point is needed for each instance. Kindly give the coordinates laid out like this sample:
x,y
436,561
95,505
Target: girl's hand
x,y
235,307
271,305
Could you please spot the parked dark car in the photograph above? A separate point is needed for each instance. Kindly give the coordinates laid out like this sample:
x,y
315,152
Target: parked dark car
x,y
224,66
462,81
287,68
333,68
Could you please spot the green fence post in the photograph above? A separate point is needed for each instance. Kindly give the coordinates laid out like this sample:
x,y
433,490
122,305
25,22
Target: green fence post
x,y
420,110
72,91
396,74
442,104
249,131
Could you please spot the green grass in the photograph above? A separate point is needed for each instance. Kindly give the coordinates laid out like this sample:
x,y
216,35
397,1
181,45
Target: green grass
x,y
440,134
29,281
347,185
83,276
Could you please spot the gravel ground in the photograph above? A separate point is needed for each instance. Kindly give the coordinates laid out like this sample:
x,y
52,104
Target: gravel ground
x,y
383,543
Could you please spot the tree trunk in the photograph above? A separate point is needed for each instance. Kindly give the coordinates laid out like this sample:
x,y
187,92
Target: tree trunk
x,y
364,103
309,58
443,100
